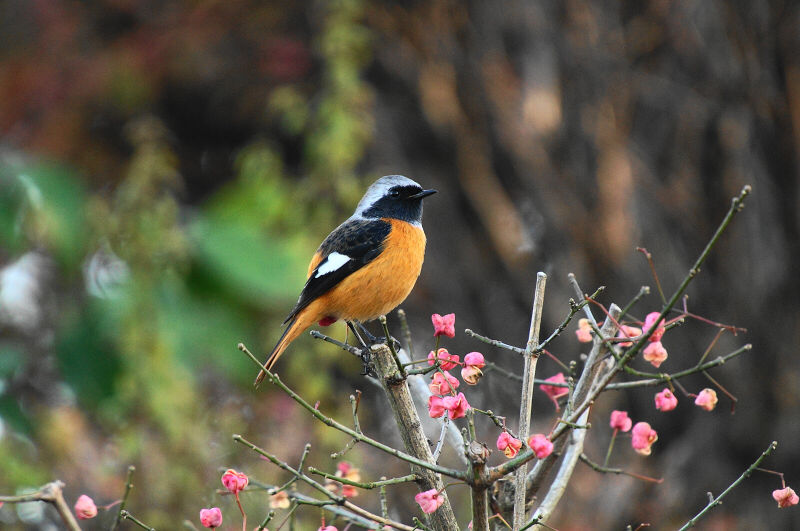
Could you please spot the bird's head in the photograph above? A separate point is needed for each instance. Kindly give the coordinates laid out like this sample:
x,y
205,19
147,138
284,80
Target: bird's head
x,y
395,197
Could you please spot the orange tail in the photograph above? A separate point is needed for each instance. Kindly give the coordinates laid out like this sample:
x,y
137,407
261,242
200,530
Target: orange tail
x,y
296,326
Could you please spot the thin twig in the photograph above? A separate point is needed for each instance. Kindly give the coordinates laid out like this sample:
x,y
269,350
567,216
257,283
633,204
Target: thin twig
x,y
401,314
718,500
368,485
355,351
656,379
128,516
437,451
644,290
128,487
339,500
451,472
649,258
573,309
607,470
494,342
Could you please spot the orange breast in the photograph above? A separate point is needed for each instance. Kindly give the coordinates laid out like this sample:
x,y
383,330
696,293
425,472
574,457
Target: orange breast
x,y
384,283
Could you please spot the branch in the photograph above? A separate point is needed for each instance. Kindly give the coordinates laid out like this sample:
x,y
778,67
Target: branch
x,y
274,379
718,500
525,412
414,439
128,487
51,493
339,500
368,485
572,454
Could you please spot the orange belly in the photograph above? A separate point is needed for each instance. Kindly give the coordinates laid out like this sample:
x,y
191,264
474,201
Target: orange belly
x,y
380,286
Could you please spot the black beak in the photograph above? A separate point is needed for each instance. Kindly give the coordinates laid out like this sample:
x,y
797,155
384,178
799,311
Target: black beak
x,y
420,195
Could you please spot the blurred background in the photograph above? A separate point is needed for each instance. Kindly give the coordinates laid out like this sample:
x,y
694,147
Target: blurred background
x,y
168,168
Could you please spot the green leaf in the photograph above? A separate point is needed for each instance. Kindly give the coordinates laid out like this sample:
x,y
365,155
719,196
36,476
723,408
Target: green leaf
x,y
87,354
252,265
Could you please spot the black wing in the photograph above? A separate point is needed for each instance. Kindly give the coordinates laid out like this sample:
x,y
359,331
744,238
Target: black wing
x,y
351,246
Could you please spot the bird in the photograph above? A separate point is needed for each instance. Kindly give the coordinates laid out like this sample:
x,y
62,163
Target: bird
x,y
366,267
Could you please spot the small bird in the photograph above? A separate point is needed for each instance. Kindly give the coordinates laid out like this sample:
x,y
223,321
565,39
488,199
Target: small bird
x,y
367,266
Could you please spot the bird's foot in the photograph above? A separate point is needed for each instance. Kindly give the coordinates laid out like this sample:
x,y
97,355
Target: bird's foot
x,y
366,363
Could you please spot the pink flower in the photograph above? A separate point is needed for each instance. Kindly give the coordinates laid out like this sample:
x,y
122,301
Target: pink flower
x,y
446,360
456,406
584,331
508,444
655,353
628,331
620,421
85,508
436,406
541,445
643,438
347,471
429,501
444,325
443,384
785,497
707,399
555,392
327,528
473,363
649,321
234,481
666,401
475,359
211,517
471,374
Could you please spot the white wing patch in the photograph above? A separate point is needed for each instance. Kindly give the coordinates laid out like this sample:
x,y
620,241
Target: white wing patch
x,y
331,263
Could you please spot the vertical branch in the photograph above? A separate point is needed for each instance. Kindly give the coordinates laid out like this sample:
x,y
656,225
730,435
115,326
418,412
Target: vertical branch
x,y
531,357
477,454
414,440
572,453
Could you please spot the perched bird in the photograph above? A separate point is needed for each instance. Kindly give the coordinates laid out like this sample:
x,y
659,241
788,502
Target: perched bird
x,y
367,266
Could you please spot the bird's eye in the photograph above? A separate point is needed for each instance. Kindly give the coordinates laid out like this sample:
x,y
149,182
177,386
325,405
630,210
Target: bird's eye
x,y
394,193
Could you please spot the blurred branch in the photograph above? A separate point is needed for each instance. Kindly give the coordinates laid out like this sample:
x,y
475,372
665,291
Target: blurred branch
x,y
128,487
51,493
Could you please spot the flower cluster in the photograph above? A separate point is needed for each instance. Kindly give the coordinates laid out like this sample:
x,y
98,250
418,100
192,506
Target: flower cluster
x,y
444,397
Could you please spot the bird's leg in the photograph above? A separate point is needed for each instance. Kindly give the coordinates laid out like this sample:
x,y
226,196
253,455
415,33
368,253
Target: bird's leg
x,y
355,333
385,340
365,352
372,339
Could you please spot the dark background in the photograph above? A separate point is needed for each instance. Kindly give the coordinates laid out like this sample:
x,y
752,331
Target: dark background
x,y
167,168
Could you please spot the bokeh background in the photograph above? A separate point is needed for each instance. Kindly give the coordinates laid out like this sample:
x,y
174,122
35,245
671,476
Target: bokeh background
x,y
167,169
